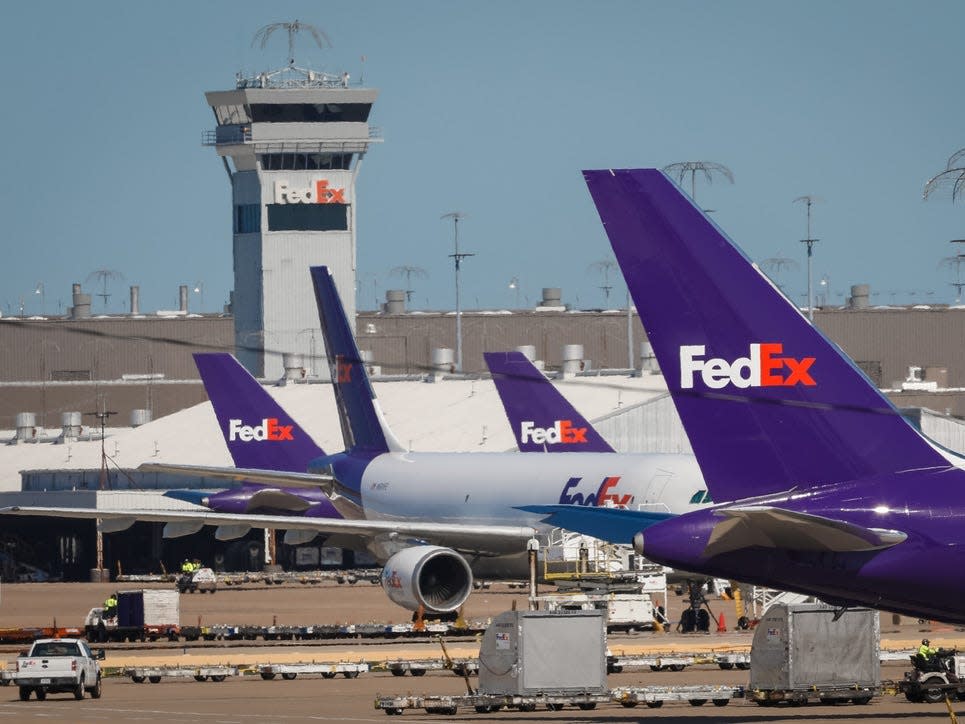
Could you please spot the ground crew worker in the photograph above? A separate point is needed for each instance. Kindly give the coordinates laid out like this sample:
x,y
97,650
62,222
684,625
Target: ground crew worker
x,y
186,566
925,650
196,565
110,606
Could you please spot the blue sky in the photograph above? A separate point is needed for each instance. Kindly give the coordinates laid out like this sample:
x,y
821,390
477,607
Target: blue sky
x,y
491,109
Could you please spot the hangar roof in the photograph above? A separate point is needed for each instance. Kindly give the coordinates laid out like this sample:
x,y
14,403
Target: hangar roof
x,y
450,415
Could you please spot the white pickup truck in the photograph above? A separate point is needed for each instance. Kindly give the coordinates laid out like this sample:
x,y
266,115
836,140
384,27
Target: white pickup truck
x,y
59,665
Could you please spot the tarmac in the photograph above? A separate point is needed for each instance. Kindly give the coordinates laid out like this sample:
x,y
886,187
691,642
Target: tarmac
x,y
250,699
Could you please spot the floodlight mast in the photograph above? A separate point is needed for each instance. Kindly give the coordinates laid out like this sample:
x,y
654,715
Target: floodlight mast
x,y
457,258
809,200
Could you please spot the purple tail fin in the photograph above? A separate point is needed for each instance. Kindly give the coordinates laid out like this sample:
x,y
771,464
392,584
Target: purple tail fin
x,y
363,427
542,419
767,401
258,432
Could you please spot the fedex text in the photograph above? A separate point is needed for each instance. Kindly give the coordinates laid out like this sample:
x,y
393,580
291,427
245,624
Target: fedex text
x,y
316,192
604,496
269,429
763,367
563,432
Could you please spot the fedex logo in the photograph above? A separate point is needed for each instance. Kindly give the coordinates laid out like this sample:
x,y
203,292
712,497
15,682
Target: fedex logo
x,y
391,579
317,192
269,429
562,431
764,367
343,369
604,496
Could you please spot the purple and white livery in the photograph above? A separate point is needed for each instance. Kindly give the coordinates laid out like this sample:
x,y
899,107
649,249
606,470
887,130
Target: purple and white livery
x,y
541,418
831,491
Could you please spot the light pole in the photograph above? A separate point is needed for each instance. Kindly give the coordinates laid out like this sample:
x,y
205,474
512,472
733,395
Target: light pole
x,y
809,200
40,290
514,285
311,347
199,290
457,258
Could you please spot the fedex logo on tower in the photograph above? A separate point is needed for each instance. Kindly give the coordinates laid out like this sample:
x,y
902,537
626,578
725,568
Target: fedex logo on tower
x,y
562,432
317,192
269,429
763,367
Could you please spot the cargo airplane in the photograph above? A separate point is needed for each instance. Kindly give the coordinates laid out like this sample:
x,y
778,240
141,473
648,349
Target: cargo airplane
x,y
433,518
821,486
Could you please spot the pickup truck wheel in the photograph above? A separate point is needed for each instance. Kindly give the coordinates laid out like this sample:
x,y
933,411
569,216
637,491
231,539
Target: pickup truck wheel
x,y
932,694
138,678
24,693
95,690
79,689
41,694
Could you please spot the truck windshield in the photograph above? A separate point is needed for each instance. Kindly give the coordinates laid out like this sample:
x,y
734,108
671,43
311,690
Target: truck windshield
x,y
56,648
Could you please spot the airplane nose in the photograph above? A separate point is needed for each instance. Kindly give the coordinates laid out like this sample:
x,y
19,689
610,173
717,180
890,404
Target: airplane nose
x,y
638,542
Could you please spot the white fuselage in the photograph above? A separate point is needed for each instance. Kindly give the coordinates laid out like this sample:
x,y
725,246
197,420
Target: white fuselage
x,y
487,488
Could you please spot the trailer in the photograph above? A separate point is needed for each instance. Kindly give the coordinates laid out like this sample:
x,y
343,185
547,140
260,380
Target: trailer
x,y
154,674
326,671
625,611
142,615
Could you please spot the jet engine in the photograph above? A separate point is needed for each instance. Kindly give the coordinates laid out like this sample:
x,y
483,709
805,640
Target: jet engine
x,y
437,578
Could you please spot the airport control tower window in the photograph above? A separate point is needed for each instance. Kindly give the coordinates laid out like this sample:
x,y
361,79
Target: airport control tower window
x,y
307,217
304,161
247,218
310,112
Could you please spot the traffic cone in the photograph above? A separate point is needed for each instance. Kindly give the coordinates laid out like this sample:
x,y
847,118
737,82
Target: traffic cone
x,y
721,625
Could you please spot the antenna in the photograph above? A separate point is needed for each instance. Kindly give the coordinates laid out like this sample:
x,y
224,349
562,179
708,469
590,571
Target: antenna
x,y
953,175
408,272
603,267
708,169
776,265
457,257
103,275
809,200
293,29
956,261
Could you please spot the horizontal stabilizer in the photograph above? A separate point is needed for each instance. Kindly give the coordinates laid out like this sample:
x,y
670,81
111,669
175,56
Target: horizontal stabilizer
x,y
616,525
239,475
188,496
278,500
769,527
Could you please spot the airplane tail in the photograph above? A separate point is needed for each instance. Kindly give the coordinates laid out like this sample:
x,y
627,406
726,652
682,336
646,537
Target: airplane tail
x,y
542,419
258,432
768,401
363,427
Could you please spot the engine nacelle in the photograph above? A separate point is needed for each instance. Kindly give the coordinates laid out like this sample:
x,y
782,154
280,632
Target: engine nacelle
x,y
437,578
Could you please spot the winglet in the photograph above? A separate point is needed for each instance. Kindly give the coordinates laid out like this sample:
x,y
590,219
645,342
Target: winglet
x,y
363,425
542,419
766,399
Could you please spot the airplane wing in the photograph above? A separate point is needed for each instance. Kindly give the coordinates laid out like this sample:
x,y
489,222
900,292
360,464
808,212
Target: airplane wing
x,y
769,527
480,539
252,475
616,525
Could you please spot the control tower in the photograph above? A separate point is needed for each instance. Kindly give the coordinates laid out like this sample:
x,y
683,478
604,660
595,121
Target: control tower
x,y
292,142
